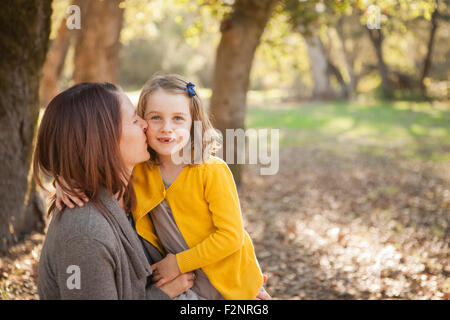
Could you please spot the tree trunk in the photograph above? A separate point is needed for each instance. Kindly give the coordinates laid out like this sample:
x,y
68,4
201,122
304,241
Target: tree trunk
x,y
332,69
97,48
54,63
427,61
318,62
376,37
241,34
348,61
56,56
25,29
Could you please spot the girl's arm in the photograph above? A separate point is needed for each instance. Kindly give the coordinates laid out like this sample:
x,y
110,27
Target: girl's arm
x,y
223,201
67,199
222,198
172,289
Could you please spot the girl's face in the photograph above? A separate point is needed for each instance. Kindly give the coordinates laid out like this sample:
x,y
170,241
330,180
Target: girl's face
x,y
169,121
133,144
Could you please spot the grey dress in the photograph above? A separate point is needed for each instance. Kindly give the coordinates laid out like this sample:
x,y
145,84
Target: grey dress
x,y
173,242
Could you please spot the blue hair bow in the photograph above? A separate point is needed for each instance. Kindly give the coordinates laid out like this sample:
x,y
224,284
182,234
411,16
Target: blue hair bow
x,y
190,89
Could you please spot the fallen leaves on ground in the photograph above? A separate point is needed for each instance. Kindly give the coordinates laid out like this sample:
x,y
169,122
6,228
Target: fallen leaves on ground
x,y
350,226
18,269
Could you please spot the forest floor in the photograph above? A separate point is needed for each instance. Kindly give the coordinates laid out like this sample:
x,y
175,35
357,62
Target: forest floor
x,y
350,227
349,215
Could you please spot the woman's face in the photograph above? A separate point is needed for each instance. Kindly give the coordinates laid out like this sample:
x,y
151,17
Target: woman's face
x,y
133,141
169,121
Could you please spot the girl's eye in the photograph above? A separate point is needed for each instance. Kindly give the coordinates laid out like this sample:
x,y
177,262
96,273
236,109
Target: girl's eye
x,y
178,118
155,118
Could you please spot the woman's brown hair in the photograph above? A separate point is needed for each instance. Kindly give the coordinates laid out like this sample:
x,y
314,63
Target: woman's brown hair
x,y
175,83
78,144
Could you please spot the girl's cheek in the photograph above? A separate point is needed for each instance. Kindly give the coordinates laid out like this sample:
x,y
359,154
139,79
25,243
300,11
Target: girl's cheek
x,y
149,139
150,128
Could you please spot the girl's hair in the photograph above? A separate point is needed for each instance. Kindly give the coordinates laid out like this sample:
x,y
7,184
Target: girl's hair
x,y
174,83
78,144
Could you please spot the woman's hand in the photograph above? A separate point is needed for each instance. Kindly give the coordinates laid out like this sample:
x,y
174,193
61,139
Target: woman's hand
x,y
165,270
180,284
68,199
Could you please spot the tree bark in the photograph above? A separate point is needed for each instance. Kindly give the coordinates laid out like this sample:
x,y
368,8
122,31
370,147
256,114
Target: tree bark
x,y
348,61
97,47
332,69
427,60
241,33
376,37
23,46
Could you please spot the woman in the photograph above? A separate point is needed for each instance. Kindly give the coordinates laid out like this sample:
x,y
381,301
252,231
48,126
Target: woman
x,y
91,138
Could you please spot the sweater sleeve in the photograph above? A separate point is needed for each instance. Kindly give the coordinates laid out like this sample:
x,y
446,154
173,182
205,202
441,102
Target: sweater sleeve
x,y
86,270
223,202
152,292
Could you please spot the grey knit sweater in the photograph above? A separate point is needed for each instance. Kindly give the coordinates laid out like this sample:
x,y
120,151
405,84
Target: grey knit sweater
x,y
87,255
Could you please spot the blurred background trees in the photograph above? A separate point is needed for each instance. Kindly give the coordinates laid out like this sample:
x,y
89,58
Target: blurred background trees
x,y
287,50
183,36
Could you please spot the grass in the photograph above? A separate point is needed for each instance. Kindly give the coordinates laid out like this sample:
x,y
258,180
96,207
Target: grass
x,y
419,130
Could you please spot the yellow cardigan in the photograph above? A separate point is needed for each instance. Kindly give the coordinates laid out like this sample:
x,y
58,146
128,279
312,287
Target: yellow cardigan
x,y
206,209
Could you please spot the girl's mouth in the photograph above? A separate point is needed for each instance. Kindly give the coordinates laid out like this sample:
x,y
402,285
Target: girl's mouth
x,y
166,140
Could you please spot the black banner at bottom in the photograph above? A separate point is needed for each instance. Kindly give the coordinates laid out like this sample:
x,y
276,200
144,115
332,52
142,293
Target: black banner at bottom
x,y
274,309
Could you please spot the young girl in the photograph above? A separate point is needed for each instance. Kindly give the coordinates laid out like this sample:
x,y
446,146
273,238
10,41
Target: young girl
x,y
191,210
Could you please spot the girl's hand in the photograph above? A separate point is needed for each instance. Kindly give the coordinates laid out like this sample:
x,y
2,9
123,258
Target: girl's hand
x,y
68,199
180,284
262,294
165,270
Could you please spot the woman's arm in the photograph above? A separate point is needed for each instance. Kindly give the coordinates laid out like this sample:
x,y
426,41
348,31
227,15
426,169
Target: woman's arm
x,y
86,270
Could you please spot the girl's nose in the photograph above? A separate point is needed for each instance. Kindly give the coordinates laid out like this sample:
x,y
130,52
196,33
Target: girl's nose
x,y
166,127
